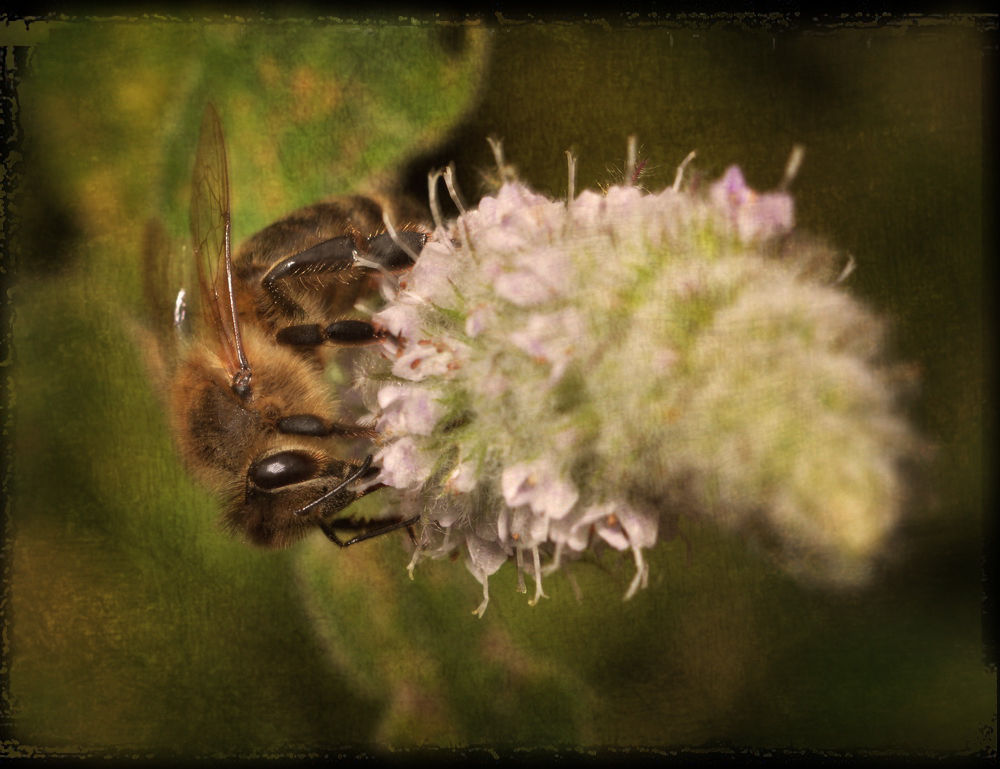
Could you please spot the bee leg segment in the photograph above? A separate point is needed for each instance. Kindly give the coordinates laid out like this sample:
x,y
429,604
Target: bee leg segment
x,y
381,253
345,333
330,256
394,254
371,530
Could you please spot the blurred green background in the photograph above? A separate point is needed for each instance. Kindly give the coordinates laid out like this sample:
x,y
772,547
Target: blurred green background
x,y
136,626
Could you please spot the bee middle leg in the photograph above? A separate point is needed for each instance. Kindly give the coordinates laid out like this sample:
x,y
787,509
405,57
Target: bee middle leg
x,y
318,427
346,333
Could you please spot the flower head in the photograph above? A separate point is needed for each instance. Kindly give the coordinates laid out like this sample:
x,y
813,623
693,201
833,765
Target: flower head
x,y
567,372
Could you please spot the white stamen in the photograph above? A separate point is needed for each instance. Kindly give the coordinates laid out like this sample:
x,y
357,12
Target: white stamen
x,y
505,171
680,170
413,562
792,166
633,155
641,577
577,593
358,259
556,560
432,197
539,593
848,269
571,182
449,181
521,587
486,597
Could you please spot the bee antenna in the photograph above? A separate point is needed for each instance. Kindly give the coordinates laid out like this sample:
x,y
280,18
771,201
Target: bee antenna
x,y
338,488
680,170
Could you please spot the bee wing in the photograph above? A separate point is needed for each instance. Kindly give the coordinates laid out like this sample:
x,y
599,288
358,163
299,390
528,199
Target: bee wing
x,y
210,231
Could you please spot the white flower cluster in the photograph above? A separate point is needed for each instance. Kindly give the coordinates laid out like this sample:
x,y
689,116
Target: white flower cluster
x,y
563,373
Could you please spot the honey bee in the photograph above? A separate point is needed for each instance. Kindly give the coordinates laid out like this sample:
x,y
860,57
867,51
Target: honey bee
x,y
252,412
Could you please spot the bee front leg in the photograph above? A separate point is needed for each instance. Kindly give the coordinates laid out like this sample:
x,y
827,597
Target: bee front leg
x,y
380,253
371,530
330,257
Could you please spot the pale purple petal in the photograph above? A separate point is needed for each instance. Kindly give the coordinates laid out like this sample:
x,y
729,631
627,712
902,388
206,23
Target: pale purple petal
x,y
421,412
555,498
627,528
389,398
479,320
730,192
421,361
514,196
484,556
492,220
491,385
537,484
611,532
418,363
448,517
641,527
550,338
534,338
522,288
540,224
431,276
587,207
622,203
487,212
404,466
765,217
574,529
413,410
527,529
517,483
499,238
754,216
401,320
463,478
504,516
391,394
551,267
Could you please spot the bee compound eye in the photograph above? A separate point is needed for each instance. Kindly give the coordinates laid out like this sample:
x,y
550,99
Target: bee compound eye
x,y
282,469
